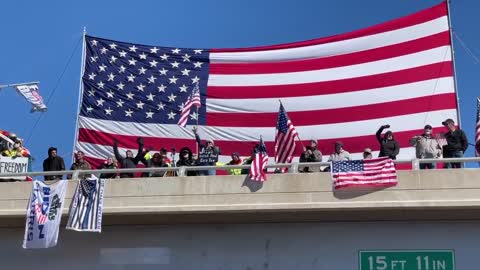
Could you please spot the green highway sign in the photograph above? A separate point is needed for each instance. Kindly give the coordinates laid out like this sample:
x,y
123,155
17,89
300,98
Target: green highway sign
x,y
406,260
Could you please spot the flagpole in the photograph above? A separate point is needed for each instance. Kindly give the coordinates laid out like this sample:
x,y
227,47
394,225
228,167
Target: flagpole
x,y
80,87
452,52
16,84
298,136
196,144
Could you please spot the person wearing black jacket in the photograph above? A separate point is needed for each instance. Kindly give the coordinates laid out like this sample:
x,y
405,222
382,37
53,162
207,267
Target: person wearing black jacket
x,y
208,155
389,147
457,143
185,158
53,163
128,161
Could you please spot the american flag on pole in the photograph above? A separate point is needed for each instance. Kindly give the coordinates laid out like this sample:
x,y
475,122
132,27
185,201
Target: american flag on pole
x,y
284,138
86,209
193,100
477,129
366,173
338,88
257,168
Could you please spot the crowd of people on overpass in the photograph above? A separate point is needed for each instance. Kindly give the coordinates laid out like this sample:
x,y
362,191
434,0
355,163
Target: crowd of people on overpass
x,y
451,144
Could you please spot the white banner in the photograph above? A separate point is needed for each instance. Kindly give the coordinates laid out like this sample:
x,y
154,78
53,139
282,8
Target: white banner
x,y
31,93
44,213
13,165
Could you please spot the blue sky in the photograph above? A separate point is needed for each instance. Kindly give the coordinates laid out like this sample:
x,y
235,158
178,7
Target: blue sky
x,y
38,38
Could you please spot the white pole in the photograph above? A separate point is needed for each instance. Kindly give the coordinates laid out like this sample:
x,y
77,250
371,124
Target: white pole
x,y
80,88
453,63
16,84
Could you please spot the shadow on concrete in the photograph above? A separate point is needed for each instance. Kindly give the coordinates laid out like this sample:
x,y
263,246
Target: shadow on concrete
x,y
254,186
355,192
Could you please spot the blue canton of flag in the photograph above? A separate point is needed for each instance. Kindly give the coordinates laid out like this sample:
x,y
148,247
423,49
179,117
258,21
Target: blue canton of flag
x,y
364,173
87,187
144,84
282,121
347,166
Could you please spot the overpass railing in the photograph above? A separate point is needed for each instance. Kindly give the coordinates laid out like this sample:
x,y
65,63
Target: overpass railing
x,y
182,171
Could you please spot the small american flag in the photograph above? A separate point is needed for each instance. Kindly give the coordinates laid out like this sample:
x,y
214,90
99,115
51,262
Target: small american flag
x,y
87,206
368,172
193,100
441,140
284,138
257,168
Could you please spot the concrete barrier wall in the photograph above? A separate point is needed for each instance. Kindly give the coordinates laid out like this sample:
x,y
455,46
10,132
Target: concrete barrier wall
x,y
282,192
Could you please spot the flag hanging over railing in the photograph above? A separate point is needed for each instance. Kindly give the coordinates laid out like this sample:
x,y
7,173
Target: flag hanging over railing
x,y
284,138
86,208
257,168
364,173
338,88
44,213
32,94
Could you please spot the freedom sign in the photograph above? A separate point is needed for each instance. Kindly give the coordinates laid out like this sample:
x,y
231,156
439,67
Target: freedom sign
x,y
13,165
44,213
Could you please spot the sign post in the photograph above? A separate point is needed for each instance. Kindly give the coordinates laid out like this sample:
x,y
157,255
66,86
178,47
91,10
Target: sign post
x,y
406,260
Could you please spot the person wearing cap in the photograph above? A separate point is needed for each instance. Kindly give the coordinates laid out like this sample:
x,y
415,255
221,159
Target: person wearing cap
x,y
389,147
340,154
311,154
53,163
367,153
457,143
426,146
208,153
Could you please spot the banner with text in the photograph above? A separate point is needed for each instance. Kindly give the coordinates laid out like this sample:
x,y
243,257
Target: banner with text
x,y
13,165
31,93
44,213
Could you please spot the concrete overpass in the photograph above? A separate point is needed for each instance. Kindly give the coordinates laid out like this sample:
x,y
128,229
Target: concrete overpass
x,y
225,222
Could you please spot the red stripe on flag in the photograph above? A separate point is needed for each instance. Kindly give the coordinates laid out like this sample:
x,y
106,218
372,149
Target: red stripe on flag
x,y
337,115
427,72
396,50
413,19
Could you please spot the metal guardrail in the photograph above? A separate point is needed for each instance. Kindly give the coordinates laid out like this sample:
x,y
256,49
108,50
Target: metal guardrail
x,y
181,171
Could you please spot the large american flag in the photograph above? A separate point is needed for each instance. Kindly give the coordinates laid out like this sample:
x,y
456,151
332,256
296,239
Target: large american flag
x,y
364,173
338,88
477,129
